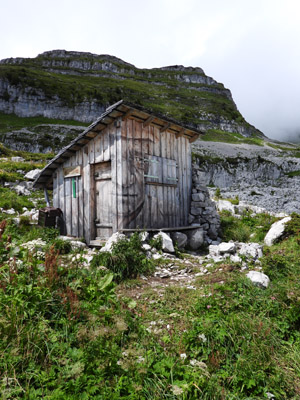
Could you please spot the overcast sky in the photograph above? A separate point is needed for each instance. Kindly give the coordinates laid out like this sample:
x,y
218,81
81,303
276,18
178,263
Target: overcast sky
x,y
251,46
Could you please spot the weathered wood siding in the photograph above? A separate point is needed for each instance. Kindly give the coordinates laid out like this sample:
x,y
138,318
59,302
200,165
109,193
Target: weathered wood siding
x,y
130,176
156,177
90,210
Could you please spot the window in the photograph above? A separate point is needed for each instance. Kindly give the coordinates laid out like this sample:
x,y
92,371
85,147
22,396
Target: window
x,y
159,170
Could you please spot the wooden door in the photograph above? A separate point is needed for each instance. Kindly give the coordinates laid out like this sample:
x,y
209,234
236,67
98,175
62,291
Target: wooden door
x,y
103,200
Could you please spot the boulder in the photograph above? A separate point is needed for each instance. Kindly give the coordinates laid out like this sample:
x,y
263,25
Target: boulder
x,y
33,174
225,205
195,239
180,238
21,190
226,247
259,279
75,244
115,237
253,250
166,242
276,231
17,159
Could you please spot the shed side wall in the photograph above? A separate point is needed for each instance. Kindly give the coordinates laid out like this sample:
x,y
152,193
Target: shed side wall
x,y
153,205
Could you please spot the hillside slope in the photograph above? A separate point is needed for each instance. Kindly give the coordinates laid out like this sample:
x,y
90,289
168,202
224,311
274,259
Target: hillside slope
x,y
79,86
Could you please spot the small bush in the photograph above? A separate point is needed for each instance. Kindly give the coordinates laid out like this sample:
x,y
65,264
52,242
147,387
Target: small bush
x,y
62,246
292,227
127,260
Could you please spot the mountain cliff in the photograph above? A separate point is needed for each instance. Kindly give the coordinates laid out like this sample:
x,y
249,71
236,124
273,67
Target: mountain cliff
x,y
79,86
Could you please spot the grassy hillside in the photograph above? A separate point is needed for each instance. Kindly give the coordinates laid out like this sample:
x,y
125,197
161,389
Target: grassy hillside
x,y
68,331
186,94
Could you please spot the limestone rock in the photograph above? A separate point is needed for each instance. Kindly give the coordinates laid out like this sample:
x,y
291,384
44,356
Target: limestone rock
x,y
21,190
195,239
259,279
225,205
33,174
115,237
167,244
226,247
180,238
75,244
17,159
253,250
276,231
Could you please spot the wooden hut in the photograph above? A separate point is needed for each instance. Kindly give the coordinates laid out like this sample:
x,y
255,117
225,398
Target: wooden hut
x,y
130,169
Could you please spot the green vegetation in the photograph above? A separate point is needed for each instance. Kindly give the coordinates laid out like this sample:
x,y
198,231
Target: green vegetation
x,y
157,90
127,259
216,135
12,121
293,173
241,229
69,332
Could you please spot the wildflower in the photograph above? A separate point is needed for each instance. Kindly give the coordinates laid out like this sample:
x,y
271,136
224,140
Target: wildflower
x,y
177,390
183,356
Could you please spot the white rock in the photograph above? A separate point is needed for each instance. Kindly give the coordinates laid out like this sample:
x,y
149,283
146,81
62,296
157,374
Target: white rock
x,y
235,258
276,231
156,256
253,250
115,237
225,205
258,278
214,250
167,244
77,244
17,159
21,190
144,236
226,247
146,247
33,174
11,211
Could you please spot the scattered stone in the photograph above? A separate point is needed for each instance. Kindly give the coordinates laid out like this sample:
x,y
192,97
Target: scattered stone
x,y
144,236
226,247
259,279
225,205
195,239
33,174
167,244
17,159
146,247
21,190
75,244
11,211
235,258
115,237
252,250
179,238
276,231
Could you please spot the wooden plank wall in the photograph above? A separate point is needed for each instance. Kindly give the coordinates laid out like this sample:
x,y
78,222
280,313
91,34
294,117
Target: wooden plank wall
x,y
153,205
135,203
79,213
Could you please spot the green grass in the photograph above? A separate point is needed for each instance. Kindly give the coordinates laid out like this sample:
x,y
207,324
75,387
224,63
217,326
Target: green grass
x,y
217,135
12,121
68,332
173,99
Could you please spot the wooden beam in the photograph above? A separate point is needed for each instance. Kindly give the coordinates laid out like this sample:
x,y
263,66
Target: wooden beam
x,y
91,134
180,133
165,127
128,113
148,121
193,138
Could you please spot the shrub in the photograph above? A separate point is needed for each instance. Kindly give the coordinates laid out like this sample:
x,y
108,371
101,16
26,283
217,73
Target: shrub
x,y
127,259
62,246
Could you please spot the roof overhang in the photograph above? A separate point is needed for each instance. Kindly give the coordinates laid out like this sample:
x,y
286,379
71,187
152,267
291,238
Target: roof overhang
x,y
122,110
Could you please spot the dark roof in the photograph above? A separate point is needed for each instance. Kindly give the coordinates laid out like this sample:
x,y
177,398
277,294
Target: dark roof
x,y
119,109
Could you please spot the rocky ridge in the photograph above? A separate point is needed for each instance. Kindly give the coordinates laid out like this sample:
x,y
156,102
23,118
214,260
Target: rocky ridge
x,y
79,86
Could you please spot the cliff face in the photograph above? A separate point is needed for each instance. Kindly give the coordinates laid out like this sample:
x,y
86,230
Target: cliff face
x,y
79,86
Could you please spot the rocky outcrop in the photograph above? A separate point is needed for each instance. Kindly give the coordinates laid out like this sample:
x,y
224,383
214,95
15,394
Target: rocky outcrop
x,y
260,175
101,80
